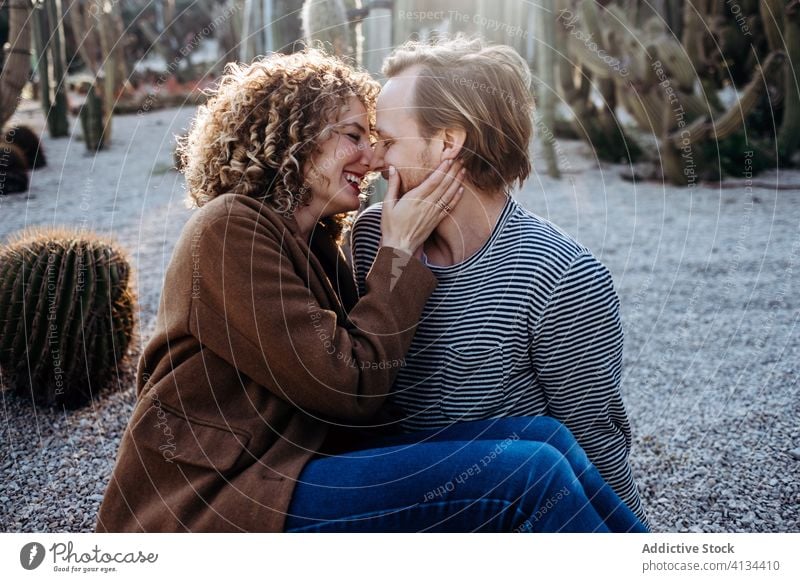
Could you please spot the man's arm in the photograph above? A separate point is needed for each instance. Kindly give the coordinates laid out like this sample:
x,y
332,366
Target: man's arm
x,y
576,352
365,241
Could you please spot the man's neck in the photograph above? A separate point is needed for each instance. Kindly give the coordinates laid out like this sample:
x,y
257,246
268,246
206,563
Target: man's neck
x,y
466,229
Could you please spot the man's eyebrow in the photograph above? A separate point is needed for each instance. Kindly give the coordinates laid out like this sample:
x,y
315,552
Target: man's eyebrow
x,y
383,133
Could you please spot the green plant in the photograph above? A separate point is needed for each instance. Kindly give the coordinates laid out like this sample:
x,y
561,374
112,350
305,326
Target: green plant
x,y
66,314
26,139
92,118
48,29
580,70
13,169
672,87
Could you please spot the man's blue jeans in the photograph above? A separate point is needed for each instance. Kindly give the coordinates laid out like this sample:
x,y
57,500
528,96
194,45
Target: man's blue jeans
x,y
525,474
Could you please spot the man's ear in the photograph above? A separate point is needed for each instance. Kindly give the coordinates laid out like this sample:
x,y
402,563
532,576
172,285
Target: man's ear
x,y
452,141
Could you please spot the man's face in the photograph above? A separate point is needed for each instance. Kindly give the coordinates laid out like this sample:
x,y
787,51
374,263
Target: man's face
x,y
400,143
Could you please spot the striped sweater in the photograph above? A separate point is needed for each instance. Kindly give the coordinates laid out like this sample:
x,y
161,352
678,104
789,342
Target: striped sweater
x,y
528,325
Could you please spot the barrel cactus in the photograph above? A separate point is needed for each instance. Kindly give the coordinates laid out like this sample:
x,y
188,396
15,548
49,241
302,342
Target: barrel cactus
x,y
26,139
13,169
66,314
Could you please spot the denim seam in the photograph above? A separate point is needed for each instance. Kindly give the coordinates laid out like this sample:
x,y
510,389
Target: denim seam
x,y
382,513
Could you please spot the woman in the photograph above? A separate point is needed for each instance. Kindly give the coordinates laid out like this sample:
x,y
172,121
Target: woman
x,y
263,360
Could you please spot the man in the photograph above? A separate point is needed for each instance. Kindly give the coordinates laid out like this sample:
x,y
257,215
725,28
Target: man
x,y
525,320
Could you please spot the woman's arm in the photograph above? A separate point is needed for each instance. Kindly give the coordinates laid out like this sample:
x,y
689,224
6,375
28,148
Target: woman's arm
x,y
254,308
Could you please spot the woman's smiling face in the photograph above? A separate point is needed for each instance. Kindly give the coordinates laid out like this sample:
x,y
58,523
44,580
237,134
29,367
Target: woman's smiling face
x,y
336,173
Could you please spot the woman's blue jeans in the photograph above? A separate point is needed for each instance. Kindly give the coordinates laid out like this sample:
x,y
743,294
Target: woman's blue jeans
x,y
524,474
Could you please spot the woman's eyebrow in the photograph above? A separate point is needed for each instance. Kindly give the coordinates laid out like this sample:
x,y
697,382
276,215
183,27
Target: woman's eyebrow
x,y
383,133
354,124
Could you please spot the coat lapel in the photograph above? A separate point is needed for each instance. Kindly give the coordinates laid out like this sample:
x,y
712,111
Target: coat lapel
x,y
325,267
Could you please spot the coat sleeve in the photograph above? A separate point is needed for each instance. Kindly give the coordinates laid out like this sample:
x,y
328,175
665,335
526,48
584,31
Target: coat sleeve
x,y
253,307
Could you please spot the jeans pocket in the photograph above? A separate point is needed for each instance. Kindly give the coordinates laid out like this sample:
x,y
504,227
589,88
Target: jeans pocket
x,y
472,382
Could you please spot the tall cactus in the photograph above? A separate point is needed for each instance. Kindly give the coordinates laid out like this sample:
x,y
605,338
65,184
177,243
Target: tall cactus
x,y
54,44
287,27
671,89
546,68
789,134
597,123
92,121
15,62
66,314
103,54
325,21
41,33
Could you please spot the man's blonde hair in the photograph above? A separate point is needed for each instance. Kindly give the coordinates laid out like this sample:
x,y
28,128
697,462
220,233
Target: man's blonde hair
x,y
482,89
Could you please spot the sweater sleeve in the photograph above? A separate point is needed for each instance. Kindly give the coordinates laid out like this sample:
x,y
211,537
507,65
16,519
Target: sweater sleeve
x,y
252,307
365,242
576,353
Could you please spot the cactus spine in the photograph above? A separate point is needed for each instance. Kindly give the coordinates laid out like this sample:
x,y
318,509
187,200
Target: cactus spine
x,y
66,314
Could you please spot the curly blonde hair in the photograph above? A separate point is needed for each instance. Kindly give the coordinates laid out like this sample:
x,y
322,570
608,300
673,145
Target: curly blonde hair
x,y
263,123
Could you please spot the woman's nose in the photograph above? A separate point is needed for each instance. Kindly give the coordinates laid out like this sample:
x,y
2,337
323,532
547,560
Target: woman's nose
x,y
367,156
377,163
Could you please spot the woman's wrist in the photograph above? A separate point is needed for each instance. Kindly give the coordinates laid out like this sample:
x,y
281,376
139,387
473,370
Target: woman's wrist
x,y
400,247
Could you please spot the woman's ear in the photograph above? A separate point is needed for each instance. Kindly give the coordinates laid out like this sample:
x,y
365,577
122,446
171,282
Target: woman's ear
x,y
452,141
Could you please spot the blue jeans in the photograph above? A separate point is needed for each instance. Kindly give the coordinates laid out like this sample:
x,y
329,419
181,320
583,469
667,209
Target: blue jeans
x,y
525,474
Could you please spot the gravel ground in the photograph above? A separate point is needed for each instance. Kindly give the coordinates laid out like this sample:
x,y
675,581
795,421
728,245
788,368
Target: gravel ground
x,y
705,276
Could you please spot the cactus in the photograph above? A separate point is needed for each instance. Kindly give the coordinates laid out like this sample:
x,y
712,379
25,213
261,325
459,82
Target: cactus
x,y
547,107
15,57
596,122
92,121
51,62
13,169
26,139
41,33
325,21
676,62
66,314
789,133
772,21
287,27
667,102
48,19
733,119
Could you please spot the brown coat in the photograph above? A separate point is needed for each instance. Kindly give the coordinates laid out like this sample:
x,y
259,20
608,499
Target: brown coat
x,y
252,351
